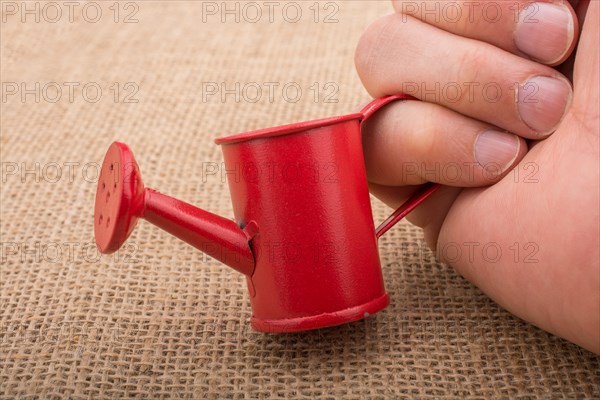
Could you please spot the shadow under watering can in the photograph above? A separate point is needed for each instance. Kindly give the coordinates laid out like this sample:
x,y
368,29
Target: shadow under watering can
x,y
303,233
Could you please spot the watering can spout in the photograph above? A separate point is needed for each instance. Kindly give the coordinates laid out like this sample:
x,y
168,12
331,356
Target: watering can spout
x,y
121,199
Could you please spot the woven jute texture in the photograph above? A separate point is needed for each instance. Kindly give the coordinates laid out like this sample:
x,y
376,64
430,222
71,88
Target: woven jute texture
x,y
160,320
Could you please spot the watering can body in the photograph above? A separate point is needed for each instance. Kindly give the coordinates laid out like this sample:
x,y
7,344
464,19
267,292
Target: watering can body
x,y
315,250
303,232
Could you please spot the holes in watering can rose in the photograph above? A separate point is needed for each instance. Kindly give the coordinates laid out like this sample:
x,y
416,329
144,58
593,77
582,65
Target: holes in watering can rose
x,y
103,186
115,186
107,222
112,167
100,218
107,196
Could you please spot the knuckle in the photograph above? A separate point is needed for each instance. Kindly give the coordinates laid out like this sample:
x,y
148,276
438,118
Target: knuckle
x,y
371,52
400,6
471,62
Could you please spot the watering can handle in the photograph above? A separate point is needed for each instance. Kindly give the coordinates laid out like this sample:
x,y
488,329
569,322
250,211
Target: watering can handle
x,y
421,194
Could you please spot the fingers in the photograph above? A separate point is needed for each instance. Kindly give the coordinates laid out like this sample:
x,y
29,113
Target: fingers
x,y
411,142
545,31
470,77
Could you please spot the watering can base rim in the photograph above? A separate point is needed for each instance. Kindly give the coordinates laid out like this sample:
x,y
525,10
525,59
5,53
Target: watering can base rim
x,y
286,129
325,320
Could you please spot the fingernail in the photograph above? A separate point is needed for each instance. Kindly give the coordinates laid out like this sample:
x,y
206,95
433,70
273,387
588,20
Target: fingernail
x,y
542,102
544,31
496,150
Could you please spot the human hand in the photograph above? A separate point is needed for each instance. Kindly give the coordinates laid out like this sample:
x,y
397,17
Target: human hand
x,y
530,241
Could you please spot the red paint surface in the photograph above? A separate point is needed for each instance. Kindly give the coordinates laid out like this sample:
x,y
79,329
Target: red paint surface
x,y
303,233
121,199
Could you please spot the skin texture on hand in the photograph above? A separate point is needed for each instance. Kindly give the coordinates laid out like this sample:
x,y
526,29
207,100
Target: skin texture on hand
x,y
527,231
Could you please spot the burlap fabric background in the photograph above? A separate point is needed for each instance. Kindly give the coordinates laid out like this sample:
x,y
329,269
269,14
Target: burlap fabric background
x,y
160,320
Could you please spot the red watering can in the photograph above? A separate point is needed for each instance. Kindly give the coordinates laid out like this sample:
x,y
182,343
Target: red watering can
x,y
303,233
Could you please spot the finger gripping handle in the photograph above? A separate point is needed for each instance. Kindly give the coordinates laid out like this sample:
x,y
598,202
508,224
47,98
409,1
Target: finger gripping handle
x,y
421,194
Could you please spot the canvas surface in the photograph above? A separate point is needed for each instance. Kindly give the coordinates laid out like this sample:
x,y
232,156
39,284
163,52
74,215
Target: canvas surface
x,y
159,319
